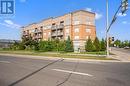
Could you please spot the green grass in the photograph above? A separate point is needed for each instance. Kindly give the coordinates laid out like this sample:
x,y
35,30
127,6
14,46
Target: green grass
x,y
54,54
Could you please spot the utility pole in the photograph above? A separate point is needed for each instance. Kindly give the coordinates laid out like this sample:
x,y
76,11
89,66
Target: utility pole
x,y
124,8
107,34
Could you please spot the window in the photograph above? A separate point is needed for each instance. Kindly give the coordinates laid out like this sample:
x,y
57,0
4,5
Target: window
x,y
49,33
76,37
76,22
88,30
88,23
33,31
68,21
41,27
67,31
62,22
76,30
45,34
87,37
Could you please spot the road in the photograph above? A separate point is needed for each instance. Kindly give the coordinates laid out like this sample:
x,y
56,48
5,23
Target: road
x,y
121,54
16,71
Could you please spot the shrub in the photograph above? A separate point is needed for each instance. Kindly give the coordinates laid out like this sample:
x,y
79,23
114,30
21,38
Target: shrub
x,y
103,45
89,47
69,45
97,44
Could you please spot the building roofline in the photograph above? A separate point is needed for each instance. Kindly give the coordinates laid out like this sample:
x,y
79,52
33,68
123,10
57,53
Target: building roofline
x,y
58,16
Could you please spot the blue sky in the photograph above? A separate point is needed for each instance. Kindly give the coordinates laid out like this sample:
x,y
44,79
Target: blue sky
x,y
30,11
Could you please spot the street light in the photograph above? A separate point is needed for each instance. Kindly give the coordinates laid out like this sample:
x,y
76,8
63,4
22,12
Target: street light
x,y
107,37
123,7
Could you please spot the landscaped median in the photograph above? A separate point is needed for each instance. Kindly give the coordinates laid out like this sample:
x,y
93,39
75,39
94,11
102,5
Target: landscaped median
x,y
92,56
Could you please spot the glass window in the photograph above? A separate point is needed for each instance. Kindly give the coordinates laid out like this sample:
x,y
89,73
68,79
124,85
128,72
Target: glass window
x,y
76,37
76,22
44,33
67,30
88,30
76,29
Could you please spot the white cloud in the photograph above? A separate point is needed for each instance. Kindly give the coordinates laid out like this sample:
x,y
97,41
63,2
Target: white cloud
x,y
125,22
98,15
89,9
10,24
121,15
23,0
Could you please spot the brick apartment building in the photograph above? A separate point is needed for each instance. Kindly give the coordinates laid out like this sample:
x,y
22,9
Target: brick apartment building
x,y
79,25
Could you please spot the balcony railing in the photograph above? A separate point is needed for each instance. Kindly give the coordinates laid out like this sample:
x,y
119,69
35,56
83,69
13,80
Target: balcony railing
x,y
25,34
54,27
38,31
57,34
60,33
38,37
61,26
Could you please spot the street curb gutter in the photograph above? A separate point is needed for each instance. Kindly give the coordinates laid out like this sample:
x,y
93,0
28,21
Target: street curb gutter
x,y
55,58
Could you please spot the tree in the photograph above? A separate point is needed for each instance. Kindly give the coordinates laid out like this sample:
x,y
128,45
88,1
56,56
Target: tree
x,y
97,44
89,47
126,43
103,45
61,46
69,45
117,43
129,43
35,45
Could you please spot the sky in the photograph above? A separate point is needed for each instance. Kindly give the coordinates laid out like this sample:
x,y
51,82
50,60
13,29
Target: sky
x,y
30,11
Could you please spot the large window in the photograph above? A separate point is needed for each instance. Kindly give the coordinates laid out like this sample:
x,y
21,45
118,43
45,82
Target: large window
x,y
76,30
76,22
67,31
45,34
76,37
88,30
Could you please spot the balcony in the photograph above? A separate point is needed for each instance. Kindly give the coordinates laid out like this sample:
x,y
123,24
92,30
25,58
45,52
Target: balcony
x,y
38,31
55,27
54,34
38,37
60,33
57,34
61,26
25,34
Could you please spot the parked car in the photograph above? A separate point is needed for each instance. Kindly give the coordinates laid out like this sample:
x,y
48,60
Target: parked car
x,y
126,47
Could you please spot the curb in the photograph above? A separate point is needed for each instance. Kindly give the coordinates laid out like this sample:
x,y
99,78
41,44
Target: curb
x,y
55,58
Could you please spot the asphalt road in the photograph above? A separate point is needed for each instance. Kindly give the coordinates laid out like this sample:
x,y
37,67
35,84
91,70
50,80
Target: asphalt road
x,y
127,51
121,54
15,71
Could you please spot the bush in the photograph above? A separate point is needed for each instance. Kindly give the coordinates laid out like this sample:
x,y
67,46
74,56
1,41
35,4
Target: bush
x,y
103,45
97,45
89,47
69,45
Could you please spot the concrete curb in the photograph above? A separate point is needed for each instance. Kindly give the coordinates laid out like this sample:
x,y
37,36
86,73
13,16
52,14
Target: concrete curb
x,y
55,58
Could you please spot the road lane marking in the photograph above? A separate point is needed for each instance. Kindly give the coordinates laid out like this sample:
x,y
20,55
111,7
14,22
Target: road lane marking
x,y
78,73
5,62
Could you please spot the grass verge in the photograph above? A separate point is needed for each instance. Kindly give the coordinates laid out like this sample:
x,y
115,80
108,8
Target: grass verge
x,y
50,54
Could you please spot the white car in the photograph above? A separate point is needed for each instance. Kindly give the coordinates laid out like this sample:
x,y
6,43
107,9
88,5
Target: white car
x,y
126,47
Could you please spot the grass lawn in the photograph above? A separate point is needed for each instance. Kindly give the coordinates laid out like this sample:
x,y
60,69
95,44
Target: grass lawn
x,y
54,54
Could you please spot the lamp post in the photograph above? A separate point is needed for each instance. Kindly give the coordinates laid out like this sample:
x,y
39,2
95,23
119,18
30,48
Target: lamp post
x,y
107,34
124,8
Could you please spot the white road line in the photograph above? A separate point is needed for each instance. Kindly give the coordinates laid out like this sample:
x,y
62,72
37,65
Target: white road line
x,y
78,73
5,62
